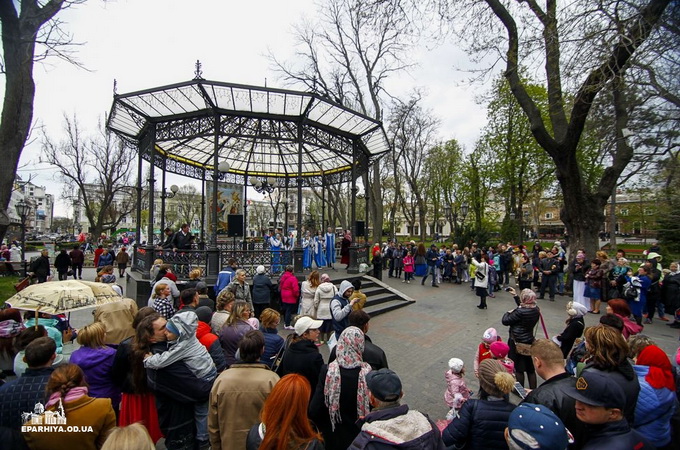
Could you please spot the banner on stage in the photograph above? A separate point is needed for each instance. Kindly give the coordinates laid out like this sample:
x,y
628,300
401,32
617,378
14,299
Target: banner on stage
x,y
229,201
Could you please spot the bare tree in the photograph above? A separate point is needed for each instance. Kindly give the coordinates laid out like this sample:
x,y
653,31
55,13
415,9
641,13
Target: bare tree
x,y
96,172
188,202
348,57
584,47
29,34
413,132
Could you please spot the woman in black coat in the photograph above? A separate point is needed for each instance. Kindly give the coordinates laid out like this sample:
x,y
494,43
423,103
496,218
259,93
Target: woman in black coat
x,y
574,328
670,292
62,263
522,321
302,355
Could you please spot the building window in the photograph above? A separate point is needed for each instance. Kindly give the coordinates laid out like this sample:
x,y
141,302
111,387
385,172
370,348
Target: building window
x,y
648,212
624,212
415,230
548,216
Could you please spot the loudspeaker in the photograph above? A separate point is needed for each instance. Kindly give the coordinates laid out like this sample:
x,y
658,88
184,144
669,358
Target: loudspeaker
x,y
235,225
361,231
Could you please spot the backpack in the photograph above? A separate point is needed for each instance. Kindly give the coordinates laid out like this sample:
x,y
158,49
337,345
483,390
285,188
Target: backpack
x,y
631,290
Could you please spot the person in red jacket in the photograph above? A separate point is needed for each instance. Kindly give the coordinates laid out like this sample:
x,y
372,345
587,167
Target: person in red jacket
x,y
290,292
209,340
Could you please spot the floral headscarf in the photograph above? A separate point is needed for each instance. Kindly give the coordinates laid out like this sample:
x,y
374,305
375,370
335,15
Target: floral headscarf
x,y
349,356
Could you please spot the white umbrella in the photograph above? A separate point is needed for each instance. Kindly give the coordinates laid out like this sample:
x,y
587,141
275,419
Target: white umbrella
x,y
58,297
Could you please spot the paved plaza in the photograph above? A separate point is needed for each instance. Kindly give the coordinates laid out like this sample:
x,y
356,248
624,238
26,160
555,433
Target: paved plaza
x,y
444,323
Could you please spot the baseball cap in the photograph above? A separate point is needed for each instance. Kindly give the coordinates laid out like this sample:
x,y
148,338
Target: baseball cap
x,y
304,323
596,388
384,384
530,424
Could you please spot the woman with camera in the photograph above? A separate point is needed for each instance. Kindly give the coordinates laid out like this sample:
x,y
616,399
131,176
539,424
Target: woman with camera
x,y
522,321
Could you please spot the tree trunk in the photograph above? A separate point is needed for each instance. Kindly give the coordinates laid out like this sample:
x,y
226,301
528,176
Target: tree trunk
x,y
18,44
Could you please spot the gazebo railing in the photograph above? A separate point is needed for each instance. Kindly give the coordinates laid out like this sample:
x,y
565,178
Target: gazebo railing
x,y
183,262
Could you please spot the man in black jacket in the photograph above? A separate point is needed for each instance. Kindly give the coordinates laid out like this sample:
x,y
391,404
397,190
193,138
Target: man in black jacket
x,y
549,365
373,355
167,243
21,395
40,267
431,256
548,267
182,239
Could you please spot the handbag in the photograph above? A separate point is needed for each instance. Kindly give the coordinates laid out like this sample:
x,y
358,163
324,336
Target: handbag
x,y
278,358
523,349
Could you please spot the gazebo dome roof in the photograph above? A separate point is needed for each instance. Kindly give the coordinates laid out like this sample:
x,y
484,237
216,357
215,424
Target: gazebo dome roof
x,y
258,131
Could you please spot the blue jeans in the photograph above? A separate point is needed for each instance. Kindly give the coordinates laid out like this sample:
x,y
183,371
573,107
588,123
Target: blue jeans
x,y
560,282
431,270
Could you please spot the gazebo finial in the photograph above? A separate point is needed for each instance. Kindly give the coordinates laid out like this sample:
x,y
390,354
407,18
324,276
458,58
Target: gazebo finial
x,y
198,72
115,87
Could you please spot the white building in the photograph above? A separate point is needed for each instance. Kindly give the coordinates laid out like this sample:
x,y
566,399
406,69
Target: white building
x,y
42,204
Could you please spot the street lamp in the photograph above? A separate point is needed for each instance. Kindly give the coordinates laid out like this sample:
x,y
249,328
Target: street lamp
x,y
23,209
464,211
263,186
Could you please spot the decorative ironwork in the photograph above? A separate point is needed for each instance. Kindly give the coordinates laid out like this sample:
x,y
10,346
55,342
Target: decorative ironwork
x,y
183,262
198,73
274,262
267,185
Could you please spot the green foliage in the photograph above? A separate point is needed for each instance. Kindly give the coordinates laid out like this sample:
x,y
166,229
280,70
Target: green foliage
x,y
520,166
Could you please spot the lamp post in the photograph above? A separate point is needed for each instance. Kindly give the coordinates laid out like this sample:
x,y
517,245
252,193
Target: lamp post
x,y
463,212
447,213
23,209
165,195
526,219
513,216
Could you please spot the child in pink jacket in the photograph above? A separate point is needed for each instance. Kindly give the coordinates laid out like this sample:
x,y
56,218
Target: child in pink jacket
x,y
409,264
457,391
499,351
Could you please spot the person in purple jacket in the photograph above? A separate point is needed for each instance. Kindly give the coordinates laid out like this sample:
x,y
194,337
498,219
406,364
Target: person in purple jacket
x,y
96,361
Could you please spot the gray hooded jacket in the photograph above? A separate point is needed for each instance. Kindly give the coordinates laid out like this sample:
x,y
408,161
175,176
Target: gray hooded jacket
x,y
186,348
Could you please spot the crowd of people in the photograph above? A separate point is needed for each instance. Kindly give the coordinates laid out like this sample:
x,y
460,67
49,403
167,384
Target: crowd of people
x,y
235,373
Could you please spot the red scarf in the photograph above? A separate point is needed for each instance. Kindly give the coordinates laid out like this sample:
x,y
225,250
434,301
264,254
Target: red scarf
x,y
660,372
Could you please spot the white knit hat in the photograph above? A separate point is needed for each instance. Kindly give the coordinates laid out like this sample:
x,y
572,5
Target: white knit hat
x,y
456,365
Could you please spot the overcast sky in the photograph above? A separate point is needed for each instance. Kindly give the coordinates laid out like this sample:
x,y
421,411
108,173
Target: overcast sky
x,y
149,43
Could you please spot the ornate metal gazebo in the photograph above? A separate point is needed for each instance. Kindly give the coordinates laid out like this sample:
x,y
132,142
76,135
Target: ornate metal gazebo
x,y
215,131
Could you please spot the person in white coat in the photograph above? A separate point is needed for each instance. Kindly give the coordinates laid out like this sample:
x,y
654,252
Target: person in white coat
x,y
481,281
322,303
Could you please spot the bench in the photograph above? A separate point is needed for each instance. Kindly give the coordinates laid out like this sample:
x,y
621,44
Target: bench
x,y
633,241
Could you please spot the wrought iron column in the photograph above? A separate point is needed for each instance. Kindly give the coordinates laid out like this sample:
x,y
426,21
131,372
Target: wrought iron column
x,y
353,212
285,226
216,175
163,196
245,212
152,159
323,202
138,226
203,210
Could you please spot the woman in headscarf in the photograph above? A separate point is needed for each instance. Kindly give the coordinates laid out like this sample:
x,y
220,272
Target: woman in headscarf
x,y
656,402
343,396
574,328
522,321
